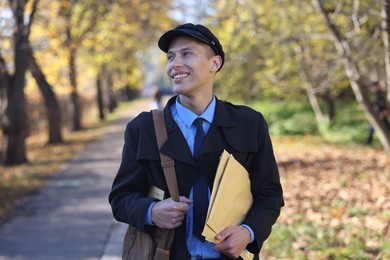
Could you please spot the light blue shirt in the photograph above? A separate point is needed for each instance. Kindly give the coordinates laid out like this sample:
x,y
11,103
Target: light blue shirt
x,y
184,118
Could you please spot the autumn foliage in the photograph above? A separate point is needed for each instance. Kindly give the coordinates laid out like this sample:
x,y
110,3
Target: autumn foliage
x,y
337,202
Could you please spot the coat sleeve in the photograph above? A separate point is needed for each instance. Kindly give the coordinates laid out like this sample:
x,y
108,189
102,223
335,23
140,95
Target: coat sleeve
x,y
128,196
266,188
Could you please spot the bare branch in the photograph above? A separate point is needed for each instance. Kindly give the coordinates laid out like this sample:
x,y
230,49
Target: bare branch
x,y
355,15
31,18
340,43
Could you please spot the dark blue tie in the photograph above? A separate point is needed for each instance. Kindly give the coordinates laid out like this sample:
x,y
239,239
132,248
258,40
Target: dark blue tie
x,y
200,188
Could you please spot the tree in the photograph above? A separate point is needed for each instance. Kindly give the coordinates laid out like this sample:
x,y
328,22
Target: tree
x,y
385,12
51,103
79,19
119,44
284,49
15,122
260,39
321,75
356,77
5,81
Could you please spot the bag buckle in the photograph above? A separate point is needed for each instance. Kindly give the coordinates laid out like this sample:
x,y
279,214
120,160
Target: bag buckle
x,y
167,163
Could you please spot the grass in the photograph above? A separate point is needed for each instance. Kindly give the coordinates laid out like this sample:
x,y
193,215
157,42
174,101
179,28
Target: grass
x,y
45,160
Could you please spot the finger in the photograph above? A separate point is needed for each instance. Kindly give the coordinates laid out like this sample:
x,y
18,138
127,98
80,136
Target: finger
x,y
172,225
225,247
181,207
185,200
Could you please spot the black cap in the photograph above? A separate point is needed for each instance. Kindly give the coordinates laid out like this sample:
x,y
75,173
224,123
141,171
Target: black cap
x,y
196,31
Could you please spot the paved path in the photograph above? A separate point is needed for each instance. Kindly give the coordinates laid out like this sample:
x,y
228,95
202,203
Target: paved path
x,y
70,218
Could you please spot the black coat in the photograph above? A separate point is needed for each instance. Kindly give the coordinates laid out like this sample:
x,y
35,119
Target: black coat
x,y
239,130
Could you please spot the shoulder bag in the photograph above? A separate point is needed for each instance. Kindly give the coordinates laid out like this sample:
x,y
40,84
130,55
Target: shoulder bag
x,y
154,244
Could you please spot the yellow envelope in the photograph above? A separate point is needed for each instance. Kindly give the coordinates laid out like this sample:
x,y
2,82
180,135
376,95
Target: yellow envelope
x,y
230,200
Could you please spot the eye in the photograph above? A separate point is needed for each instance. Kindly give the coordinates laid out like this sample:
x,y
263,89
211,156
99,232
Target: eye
x,y
170,57
186,53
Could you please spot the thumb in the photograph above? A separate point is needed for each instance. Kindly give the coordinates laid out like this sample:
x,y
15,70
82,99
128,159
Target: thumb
x,y
223,234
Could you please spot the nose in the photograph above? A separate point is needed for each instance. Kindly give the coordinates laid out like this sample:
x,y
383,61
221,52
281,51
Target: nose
x,y
176,62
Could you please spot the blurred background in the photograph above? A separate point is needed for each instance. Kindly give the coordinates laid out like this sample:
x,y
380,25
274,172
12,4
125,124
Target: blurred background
x,y
66,67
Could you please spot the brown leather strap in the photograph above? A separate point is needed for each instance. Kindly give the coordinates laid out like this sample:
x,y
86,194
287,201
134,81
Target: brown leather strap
x,y
167,162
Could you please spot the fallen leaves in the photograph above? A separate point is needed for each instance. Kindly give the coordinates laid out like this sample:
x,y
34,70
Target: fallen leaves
x,y
44,160
337,202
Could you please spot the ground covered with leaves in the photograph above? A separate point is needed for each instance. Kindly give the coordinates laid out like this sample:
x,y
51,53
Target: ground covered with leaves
x,y
337,201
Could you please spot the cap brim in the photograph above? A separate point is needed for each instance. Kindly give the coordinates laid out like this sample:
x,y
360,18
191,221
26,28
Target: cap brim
x,y
166,38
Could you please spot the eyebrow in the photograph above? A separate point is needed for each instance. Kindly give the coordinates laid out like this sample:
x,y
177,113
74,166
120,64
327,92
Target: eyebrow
x,y
181,50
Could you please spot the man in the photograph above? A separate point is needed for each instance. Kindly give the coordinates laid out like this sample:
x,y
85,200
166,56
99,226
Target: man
x,y
194,56
381,108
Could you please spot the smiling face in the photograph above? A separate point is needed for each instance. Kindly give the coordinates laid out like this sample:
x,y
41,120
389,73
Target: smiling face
x,y
191,67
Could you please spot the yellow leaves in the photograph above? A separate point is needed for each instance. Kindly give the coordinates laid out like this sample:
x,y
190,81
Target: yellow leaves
x,y
335,213
65,4
334,191
6,44
136,77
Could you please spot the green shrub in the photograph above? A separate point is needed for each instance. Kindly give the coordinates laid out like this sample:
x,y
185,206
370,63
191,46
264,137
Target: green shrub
x,y
297,118
301,123
288,118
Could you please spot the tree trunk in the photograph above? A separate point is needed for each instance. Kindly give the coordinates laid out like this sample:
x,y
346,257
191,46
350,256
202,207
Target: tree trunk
x,y
74,96
99,97
16,128
310,91
386,42
315,105
16,125
51,103
330,102
5,81
112,102
71,46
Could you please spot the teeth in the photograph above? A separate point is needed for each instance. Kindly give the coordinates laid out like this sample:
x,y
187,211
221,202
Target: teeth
x,y
179,76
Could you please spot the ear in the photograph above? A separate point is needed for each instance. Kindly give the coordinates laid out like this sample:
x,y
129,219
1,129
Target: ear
x,y
217,62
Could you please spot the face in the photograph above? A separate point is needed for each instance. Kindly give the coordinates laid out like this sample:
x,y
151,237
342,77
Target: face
x,y
190,66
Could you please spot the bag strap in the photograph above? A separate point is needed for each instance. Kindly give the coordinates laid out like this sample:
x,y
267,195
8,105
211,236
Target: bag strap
x,y
164,237
167,162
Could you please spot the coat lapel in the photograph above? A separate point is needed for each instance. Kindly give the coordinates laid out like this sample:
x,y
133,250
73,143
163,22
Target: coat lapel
x,y
176,146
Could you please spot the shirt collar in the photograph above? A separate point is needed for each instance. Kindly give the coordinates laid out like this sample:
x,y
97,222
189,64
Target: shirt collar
x,y
188,117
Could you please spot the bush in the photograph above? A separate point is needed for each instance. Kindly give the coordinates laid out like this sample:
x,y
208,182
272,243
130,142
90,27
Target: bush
x,y
301,123
297,118
288,117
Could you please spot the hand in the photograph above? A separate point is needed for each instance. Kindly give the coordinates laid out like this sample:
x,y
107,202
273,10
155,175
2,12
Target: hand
x,y
234,241
169,214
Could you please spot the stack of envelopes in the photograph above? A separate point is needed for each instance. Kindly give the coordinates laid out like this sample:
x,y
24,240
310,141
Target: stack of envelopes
x,y
230,200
